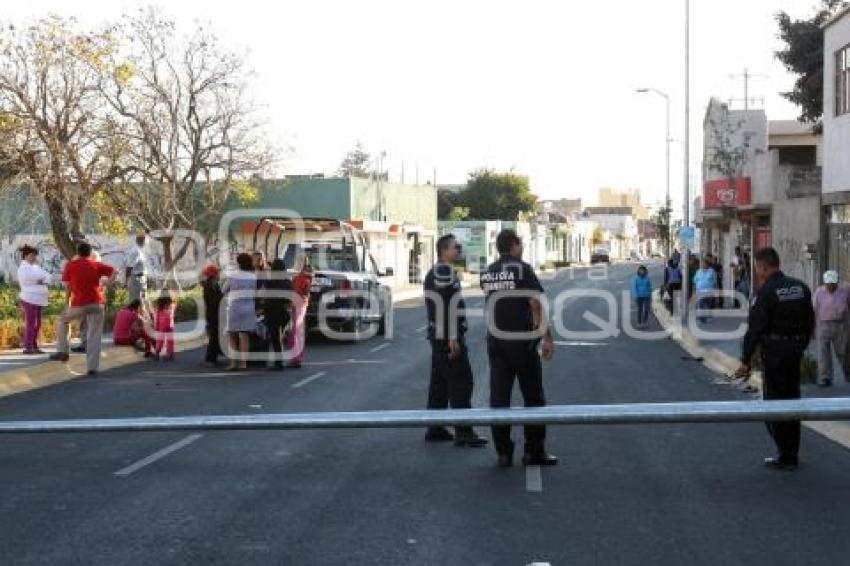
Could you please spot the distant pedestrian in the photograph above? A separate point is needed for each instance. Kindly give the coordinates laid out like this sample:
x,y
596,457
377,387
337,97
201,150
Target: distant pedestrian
x,y
129,328
705,284
33,281
831,303
642,293
717,266
84,277
676,256
451,373
240,289
512,347
212,295
277,309
781,323
164,326
672,282
302,282
136,270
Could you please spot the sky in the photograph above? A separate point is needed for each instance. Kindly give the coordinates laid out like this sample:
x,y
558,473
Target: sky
x,y
546,89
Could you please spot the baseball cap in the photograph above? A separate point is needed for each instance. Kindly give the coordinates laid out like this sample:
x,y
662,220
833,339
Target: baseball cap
x,y
830,277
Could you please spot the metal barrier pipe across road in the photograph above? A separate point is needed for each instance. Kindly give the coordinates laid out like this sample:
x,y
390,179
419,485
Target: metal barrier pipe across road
x,y
822,409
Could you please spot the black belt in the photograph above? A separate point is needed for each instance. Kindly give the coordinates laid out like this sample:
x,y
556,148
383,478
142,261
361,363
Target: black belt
x,y
785,338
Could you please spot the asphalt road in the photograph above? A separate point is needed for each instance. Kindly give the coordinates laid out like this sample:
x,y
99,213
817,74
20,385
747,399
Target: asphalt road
x,y
672,494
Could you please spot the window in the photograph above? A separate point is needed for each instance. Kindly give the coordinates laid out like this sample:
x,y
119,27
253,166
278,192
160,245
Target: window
x,y
842,81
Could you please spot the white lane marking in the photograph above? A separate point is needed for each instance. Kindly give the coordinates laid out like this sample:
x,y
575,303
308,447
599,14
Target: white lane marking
x,y
380,347
540,564
561,343
158,455
533,479
422,328
345,362
309,379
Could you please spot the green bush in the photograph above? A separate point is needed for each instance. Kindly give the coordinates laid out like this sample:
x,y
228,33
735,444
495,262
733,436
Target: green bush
x,y
12,320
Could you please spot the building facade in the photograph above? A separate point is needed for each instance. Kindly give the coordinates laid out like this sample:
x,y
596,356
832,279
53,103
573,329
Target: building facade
x,y
399,221
836,144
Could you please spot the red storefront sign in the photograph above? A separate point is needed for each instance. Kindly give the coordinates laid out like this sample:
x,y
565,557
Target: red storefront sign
x,y
723,193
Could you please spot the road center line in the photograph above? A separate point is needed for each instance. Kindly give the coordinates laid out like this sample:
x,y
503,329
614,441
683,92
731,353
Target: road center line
x,y
533,479
307,380
158,455
380,347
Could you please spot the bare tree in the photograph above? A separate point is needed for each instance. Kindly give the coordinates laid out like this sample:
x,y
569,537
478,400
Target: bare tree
x,y
193,136
56,134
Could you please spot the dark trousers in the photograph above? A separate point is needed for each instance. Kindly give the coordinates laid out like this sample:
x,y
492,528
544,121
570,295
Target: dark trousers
x,y
782,381
213,344
276,326
643,304
509,361
451,381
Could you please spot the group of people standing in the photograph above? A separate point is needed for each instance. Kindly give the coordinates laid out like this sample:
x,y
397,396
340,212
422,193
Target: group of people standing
x,y
706,279
265,309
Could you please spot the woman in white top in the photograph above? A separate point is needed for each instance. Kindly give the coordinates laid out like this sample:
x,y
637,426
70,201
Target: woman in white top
x,y
33,281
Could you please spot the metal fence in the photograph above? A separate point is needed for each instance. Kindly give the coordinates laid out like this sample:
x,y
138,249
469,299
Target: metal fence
x,y
623,414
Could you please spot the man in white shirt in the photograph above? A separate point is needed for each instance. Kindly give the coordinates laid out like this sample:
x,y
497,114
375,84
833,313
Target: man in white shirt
x,y
135,270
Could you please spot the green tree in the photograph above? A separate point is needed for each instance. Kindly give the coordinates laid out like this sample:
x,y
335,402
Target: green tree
x,y
356,163
803,56
661,223
451,205
490,195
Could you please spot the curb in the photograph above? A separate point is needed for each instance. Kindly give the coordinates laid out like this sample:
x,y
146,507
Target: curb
x,y
726,365
50,373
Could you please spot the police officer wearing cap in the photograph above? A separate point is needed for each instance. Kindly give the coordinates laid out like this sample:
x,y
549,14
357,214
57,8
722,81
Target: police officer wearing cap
x,y
451,373
781,322
513,333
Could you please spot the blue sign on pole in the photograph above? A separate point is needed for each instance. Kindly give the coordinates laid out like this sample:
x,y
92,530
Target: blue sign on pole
x,y
688,234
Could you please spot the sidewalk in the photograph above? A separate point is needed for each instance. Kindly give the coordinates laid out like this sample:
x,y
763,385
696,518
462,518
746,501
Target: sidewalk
x,y
721,354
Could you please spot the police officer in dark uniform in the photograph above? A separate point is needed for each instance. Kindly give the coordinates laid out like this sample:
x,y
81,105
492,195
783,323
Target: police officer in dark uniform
x,y
513,334
781,323
451,373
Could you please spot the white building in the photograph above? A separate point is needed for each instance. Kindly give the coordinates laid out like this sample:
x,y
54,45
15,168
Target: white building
x,y
621,224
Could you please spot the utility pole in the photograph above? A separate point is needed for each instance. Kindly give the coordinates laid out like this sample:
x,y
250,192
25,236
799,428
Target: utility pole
x,y
747,76
687,205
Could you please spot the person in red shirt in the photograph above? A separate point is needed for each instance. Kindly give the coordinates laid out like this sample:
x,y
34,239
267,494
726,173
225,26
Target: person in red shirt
x,y
296,337
129,328
83,277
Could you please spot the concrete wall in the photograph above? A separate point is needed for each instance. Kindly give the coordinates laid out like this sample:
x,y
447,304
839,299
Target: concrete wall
x,y
836,129
795,224
796,218
411,204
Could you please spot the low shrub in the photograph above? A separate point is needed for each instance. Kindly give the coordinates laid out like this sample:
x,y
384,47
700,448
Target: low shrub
x,y
12,318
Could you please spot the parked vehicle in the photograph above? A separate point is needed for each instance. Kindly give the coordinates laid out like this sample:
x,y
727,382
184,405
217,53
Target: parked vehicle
x,y
347,283
600,255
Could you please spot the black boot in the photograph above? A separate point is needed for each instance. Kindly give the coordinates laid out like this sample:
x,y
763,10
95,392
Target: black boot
x,y
438,434
506,455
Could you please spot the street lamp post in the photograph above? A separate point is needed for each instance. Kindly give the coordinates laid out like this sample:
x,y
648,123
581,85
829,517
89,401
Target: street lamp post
x,y
668,140
687,161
